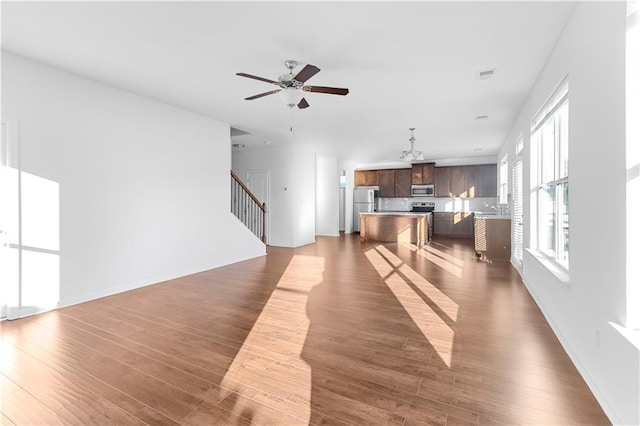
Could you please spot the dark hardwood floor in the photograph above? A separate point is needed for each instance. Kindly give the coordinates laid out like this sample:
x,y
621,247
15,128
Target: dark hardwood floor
x,y
336,332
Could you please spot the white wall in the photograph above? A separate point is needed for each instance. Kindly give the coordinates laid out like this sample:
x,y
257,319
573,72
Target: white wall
x,y
293,203
591,51
327,193
136,191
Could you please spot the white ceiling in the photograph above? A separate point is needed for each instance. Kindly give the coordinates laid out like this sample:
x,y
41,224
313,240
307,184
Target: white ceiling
x,y
407,64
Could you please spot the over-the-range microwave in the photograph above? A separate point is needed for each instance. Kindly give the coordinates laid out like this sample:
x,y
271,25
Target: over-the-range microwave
x,y
423,191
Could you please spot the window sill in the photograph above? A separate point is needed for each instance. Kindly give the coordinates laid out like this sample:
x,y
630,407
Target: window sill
x,y
631,334
558,271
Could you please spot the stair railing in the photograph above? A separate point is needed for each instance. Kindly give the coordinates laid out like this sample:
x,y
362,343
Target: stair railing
x,y
248,208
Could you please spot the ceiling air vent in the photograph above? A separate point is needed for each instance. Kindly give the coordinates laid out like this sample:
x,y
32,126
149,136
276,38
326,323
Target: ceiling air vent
x,y
481,117
485,74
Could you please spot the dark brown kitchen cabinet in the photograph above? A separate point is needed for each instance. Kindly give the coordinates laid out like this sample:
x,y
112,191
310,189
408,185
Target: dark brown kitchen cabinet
x,y
442,223
403,183
488,180
466,181
366,178
471,182
458,183
462,225
387,183
442,181
453,224
423,174
394,183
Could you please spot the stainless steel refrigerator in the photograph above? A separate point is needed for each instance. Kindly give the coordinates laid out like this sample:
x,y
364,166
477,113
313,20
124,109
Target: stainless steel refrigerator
x,y
365,200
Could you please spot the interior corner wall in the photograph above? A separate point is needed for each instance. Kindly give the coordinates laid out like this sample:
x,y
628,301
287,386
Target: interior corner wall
x,y
292,214
143,188
327,193
591,51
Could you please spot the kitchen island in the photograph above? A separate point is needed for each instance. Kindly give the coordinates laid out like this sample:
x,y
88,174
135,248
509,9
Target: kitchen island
x,y
395,227
492,236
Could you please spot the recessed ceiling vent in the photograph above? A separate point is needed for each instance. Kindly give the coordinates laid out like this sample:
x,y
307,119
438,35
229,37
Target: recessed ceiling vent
x,y
485,74
481,117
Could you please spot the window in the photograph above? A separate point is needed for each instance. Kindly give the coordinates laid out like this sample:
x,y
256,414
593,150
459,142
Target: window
x,y
504,176
519,146
516,219
550,177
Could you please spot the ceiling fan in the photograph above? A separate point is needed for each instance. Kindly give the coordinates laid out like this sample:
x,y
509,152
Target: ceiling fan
x,y
291,87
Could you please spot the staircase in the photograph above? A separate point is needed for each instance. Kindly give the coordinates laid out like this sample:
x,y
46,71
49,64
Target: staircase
x,y
248,208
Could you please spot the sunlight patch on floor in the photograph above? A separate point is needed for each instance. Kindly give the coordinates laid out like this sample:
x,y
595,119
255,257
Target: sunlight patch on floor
x,y
454,270
400,278
451,259
447,262
285,310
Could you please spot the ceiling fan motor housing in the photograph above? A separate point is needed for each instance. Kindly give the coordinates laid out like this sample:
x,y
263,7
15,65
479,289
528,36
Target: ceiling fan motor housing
x,y
287,80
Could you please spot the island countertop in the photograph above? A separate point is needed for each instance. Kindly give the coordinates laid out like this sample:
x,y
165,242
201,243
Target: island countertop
x,y
400,227
396,213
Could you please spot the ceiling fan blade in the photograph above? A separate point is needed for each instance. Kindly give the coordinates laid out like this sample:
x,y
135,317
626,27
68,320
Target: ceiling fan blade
x,y
323,89
255,77
250,98
303,103
306,73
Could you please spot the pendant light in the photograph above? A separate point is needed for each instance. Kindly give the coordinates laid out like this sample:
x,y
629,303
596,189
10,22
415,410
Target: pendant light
x,y
412,154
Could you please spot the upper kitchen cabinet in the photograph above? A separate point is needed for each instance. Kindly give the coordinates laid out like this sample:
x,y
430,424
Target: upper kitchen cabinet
x,y
477,181
423,174
472,181
466,181
403,183
481,180
366,178
442,181
450,181
488,180
394,183
387,183
458,183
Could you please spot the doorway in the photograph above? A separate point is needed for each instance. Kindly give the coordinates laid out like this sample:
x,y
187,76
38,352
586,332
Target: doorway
x,y
342,199
259,182
10,253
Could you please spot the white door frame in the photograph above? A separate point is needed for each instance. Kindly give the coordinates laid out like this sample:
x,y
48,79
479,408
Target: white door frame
x,y
267,199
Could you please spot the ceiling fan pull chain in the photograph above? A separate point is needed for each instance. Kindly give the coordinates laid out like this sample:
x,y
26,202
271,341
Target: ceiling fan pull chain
x,y
291,120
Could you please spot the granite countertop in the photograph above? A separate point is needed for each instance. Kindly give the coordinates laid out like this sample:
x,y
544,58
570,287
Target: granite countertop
x,y
491,216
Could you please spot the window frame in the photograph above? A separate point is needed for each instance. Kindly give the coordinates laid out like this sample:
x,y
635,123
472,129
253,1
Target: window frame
x,y
503,180
550,182
517,200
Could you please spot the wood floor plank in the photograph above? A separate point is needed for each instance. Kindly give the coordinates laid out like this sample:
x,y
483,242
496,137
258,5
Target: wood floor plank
x,y
4,420
336,332
22,408
96,412
56,358
212,415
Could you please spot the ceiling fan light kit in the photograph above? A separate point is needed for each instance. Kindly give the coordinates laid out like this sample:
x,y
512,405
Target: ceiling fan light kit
x,y
291,87
412,155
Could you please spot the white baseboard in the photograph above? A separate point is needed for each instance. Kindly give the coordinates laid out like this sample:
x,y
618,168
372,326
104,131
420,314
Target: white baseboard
x,y
34,310
604,403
